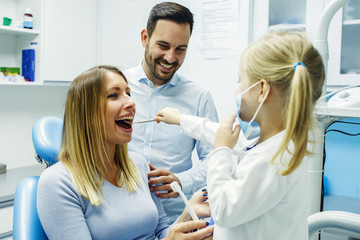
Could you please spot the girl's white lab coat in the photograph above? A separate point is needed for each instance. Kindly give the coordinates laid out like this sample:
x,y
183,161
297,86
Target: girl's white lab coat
x,y
248,197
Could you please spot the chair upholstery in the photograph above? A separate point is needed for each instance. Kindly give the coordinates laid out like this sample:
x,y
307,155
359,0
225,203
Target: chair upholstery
x,y
46,136
26,222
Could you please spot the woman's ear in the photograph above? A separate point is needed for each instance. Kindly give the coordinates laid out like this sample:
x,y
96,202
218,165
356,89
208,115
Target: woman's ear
x,y
265,88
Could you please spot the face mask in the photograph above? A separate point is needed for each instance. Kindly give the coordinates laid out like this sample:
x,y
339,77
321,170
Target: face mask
x,y
250,129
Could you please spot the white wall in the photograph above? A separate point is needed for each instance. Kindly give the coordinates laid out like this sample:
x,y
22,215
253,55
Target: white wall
x,y
119,25
20,107
120,45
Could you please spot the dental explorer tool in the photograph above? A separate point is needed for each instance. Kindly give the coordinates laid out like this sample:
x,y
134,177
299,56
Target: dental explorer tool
x,y
145,121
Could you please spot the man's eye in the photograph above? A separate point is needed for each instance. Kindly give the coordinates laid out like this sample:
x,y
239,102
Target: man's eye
x,y
163,46
181,49
113,95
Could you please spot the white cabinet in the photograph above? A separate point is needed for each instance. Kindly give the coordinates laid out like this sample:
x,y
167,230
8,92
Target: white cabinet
x,y
14,39
66,33
69,38
344,32
344,46
293,15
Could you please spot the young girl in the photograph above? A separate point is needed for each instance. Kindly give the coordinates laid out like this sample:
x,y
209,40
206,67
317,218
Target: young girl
x,y
263,194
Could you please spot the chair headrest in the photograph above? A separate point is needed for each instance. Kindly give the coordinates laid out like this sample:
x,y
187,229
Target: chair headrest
x,y
46,137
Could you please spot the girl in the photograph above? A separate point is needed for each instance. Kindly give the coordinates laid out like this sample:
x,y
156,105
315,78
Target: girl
x,y
263,194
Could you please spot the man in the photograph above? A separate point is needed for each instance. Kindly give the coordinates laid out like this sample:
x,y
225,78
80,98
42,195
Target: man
x,y
154,85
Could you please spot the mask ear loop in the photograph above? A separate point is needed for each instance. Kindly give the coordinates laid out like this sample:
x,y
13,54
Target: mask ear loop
x,y
249,130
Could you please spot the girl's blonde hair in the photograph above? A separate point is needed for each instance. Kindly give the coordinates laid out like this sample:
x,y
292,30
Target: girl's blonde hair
x,y
273,58
84,136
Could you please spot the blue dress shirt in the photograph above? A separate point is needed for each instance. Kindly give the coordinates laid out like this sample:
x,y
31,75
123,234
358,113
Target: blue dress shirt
x,y
163,145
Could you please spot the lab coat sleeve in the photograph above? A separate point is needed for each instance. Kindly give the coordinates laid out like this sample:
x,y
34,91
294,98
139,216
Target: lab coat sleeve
x,y
195,178
256,188
201,129
204,130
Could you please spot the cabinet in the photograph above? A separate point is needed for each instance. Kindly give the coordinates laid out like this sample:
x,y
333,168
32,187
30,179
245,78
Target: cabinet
x,y
344,32
69,38
290,15
344,47
66,33
14,39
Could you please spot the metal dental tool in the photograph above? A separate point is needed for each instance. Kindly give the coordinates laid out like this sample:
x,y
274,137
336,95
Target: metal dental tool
x,y
145,121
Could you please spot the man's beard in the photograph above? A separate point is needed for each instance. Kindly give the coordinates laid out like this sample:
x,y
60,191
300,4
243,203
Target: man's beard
x,y
152,68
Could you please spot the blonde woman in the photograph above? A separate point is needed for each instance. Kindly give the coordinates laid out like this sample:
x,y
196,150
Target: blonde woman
x,y
264,193
98,190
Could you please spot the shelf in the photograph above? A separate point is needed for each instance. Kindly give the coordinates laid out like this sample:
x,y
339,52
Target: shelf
x,y
352,22
287,27
18,31
21,83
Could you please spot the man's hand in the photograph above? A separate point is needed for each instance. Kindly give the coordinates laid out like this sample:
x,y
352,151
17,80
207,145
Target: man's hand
x,y
159,180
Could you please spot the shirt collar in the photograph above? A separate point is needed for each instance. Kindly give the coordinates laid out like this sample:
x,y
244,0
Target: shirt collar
x,y
143,78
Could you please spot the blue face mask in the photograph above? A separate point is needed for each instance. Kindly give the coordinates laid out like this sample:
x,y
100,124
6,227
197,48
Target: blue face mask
x,y
250,129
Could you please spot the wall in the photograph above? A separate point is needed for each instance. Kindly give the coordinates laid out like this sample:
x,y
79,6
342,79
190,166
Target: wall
x,y
120,45
20,107
119,26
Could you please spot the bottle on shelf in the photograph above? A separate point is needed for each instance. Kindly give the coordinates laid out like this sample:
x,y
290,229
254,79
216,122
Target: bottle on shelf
x,y
28,19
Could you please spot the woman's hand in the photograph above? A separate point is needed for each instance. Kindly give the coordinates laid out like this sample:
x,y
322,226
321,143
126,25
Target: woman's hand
x,y
184,231
168,115
225,135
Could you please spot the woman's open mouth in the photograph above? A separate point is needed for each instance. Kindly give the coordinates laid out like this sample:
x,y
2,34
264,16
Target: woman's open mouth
x,y
124,122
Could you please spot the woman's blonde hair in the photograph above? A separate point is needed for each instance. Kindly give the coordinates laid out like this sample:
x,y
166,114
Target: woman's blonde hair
x,y
84,136
274,58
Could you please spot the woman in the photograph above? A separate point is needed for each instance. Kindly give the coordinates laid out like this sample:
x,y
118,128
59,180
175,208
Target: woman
x,y
98,190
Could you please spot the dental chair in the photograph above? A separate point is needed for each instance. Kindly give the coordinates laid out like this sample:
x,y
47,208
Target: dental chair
x,y
46,136
345,223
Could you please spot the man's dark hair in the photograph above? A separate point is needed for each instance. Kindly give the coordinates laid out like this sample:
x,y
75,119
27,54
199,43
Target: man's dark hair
x,y
169,11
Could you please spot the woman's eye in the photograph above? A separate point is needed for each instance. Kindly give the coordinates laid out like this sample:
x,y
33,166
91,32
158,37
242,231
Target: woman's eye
x,y
113,95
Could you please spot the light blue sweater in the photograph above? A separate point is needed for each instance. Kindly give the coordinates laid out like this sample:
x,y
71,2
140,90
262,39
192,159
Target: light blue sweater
x,y
65,214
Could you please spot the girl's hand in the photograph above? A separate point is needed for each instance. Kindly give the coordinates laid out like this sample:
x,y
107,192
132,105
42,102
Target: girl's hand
x,y
225,135
183,231
200,204
168,115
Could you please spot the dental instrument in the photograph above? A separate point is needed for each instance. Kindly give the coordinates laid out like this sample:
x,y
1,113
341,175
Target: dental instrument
x,y
145,121
176,188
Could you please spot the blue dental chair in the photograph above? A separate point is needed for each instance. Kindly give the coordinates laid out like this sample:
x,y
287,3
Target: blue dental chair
x,y
46,136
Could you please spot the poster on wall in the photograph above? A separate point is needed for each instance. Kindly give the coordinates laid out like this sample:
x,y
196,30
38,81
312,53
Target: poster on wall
x,y
219,34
